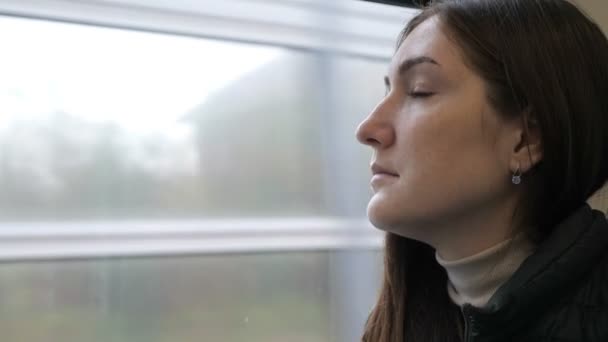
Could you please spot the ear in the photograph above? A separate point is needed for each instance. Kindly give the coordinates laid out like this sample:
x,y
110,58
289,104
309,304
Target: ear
x,y
527,148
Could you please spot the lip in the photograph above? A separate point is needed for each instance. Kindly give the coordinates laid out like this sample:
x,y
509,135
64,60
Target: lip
x,y
381,176
379,170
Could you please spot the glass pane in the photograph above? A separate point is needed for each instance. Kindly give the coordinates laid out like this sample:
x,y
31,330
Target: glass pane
x,y
254,297
107,123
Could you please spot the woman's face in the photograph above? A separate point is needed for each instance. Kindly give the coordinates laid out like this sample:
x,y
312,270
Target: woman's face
x,y
441,152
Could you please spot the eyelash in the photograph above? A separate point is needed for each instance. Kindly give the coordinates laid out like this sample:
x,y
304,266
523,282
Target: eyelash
x,y
414,94
420,94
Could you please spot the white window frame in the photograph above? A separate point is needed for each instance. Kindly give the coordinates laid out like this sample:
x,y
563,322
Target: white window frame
x,y
341,26
67,240
337,27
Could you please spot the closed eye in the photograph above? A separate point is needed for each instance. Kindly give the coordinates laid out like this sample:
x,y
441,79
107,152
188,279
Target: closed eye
x,y
387,86
421,94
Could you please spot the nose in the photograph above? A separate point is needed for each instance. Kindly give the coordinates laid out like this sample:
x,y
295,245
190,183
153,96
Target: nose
x,y
377,129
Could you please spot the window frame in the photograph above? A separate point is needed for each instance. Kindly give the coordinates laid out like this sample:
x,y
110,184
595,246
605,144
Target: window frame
x,y
344,26
102,239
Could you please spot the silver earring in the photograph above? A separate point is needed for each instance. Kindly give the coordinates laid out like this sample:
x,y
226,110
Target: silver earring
x,y
516,179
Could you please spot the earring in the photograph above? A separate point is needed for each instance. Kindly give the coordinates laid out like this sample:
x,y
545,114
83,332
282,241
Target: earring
x,y
516,179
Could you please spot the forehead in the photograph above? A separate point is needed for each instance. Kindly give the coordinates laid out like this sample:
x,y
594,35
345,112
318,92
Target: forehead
x,y
428,39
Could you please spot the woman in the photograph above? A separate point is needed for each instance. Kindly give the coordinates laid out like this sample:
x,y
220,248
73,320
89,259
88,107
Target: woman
x,y
492,134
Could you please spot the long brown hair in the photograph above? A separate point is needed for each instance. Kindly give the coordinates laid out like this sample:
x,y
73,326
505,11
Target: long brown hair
x,y
546,62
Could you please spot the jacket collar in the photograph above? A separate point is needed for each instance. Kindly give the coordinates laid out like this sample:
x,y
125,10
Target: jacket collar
x,y
571,250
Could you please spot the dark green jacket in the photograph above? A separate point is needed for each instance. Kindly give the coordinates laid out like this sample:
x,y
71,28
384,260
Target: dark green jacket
x,y
559,294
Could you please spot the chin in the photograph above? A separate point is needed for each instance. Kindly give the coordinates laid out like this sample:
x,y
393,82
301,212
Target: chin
x,y
384,215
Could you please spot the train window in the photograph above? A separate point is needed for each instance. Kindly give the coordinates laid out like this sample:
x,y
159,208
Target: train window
x,y
181,171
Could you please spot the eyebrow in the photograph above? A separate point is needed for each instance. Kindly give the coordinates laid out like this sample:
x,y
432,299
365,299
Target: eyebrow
x,y
406,65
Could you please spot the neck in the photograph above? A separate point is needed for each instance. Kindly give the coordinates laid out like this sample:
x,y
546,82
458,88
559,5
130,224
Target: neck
x,y
460,236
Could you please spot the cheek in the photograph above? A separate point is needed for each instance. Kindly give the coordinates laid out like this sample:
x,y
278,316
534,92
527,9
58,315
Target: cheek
x,y
449,154
430,144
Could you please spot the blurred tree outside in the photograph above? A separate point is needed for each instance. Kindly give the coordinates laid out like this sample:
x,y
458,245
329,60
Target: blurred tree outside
x,y
254,151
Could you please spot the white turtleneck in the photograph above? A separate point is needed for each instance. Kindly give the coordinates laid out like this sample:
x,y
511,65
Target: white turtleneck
x,y
476,278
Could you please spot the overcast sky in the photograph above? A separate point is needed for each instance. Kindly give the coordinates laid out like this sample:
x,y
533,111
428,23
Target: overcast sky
x,y
142,81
